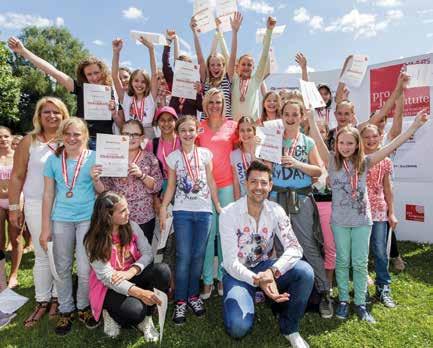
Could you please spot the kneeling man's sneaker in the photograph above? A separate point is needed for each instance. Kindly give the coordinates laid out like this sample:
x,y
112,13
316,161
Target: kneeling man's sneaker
x,y
296,340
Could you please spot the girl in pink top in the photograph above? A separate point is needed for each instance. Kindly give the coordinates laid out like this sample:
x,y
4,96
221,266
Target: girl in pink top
x,y
219,135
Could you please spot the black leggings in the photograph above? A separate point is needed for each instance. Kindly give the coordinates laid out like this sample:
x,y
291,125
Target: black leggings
x,y
148,228
129,310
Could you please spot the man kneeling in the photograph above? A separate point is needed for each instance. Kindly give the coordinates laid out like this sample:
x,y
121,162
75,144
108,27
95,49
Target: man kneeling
x,y
248,228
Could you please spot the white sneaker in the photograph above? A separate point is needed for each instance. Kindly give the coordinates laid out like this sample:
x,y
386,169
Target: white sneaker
x,y
149,331
296,340
111,327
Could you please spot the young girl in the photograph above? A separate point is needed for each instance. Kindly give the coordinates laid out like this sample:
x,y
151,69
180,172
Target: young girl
x,y
143,181
6,163
16,141
351,215
27,177
139,101
89,70
271,107
292,188
246,85
241,157
66,210
380,196
218,135
216,72
191,182
123,275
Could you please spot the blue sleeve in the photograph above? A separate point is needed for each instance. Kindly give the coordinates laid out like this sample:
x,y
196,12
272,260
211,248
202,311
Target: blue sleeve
x,y
49,167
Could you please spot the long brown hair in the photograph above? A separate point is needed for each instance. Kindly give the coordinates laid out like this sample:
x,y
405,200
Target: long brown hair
x,y
106,76
358,156
98,240
146,77
264,116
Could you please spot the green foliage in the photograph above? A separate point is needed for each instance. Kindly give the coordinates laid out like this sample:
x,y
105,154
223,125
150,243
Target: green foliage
x,y
9,90
58,47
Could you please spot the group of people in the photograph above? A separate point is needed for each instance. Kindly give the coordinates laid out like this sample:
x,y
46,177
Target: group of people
x,y
279,230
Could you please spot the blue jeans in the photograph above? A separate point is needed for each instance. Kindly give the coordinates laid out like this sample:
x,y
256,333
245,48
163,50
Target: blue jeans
x,y
378,243
238,300
191,230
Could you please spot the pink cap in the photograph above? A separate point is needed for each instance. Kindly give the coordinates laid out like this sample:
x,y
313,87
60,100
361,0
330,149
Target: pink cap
x,y
165,109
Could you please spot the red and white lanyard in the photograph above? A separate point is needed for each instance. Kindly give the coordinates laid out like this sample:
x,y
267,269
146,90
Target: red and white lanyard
x,y
192,175
243,88
324,114
173,146
245,163
138,112
137,156
83,154
379,173
353,178
181,103
292,148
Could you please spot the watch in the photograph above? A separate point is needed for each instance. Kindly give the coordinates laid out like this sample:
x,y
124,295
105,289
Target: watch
x,y
276,272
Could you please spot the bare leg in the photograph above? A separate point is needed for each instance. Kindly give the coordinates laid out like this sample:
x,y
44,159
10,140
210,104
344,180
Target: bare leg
x,y
3,216
15,236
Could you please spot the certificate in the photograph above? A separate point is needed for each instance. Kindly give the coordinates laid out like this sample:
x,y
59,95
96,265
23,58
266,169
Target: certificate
x,y
224,11
96,100
271,144
355,71
155,38
421,75
112,154
278,31
275,124
162,311
310,94
185,75
203,14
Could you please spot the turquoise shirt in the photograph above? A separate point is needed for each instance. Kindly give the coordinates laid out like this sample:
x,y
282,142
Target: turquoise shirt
x,y
80,206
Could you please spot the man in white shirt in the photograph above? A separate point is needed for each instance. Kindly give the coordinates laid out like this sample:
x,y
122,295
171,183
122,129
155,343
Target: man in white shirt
x,y
248,228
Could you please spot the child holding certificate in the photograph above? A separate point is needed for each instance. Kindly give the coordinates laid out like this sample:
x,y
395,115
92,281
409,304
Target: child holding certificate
x,y
191,182
246,85
351,215
67,206
138,103
143,181
292,189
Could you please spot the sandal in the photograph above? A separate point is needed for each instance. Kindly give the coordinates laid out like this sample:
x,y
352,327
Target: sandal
x,y
54,308
38,313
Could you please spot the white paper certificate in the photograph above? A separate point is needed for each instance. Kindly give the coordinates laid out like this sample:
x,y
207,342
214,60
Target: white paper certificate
x,y
225,10
162,311
112,154
156,38
420,75
185,75
310,94
275,124
355,71
203,14
96,99
271,144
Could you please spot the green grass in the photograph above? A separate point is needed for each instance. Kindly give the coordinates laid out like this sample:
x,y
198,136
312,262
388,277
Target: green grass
x,y
409,325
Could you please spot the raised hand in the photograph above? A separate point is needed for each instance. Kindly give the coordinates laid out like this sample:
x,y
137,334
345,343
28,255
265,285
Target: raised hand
x,y
146,42
270,24
16,45
170,34
301,60
193,25
236,21
403,80
421,118
117,45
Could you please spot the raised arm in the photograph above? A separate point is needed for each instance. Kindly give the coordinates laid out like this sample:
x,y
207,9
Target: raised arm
x,y
341,93
221,41
236,24
176,47
261,68
301,60
117,45
397,122
420,119
167,70
200,59
17,46
153,68
315,134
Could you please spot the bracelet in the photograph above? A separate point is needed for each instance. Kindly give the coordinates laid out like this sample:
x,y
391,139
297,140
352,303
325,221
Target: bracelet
x,y
143,177
14,207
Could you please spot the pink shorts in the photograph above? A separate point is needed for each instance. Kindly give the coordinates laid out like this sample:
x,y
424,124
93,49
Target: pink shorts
x,y
4,203
328,237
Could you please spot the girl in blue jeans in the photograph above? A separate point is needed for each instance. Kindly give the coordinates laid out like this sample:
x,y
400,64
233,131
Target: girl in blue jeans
x,y
191,183
351,216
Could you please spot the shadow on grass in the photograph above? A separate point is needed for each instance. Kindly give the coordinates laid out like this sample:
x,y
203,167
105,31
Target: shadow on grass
x,y
419,261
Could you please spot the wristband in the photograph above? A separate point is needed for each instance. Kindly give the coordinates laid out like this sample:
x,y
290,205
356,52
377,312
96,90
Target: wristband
x,y
14,207
143,177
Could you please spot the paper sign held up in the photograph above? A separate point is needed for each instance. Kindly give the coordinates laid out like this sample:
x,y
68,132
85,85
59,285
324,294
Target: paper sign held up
x,y
355,71
310,94
421,75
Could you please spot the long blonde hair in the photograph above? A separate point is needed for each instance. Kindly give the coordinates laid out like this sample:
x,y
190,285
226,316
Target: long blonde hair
x,y
211,80
37,125
72,121
358,156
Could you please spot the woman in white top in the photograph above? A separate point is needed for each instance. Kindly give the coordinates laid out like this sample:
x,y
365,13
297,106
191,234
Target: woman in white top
x,y
29,161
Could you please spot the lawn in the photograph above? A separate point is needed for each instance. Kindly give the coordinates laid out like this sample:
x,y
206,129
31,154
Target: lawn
x,y
409,325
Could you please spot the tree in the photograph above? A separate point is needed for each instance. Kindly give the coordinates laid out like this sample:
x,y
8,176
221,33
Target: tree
x,y
9,90
58,47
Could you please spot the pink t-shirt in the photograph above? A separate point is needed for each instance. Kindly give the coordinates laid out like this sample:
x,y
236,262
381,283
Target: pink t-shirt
x,y
376,196
221,144
164,149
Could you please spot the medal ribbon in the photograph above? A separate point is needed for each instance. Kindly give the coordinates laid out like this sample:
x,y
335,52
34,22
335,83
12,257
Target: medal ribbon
x,y
188,166
353,178
379,174
77,169
243,88
138,112
137,156
292,149
245,163
324,113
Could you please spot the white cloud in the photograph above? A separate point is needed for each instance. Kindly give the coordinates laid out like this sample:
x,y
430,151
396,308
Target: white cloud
x,y
394,15
60,22
98,43
425,12
296,69
256,6
429,35
132,13
316,22
388,3
126,63
301,15
12,20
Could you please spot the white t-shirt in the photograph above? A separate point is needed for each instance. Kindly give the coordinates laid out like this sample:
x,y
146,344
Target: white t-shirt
x,y
190,197
149,109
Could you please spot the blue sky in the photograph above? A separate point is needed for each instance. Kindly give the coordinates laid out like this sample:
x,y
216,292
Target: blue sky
x,y
326,31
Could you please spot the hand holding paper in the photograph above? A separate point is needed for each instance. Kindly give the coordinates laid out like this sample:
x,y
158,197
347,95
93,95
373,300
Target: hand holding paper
x,y
354,70
420,75
162,310
154,38
311,96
